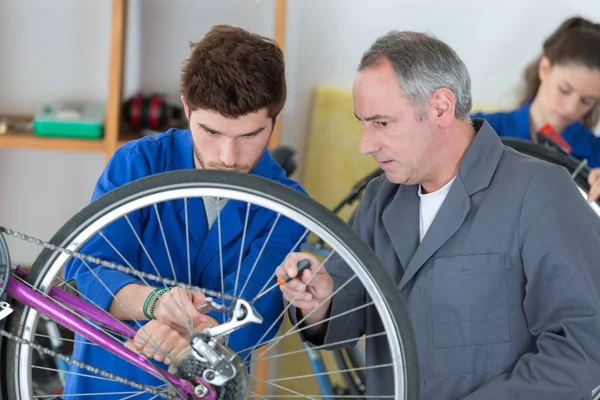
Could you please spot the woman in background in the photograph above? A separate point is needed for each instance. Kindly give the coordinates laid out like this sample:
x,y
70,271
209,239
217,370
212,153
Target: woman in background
x,y
562,88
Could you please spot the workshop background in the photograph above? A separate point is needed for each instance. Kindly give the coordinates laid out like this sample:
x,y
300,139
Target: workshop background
x,y
59,50
54,51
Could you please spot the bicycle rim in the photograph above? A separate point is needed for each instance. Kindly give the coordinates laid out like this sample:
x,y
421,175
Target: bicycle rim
x,y
555,157
242,187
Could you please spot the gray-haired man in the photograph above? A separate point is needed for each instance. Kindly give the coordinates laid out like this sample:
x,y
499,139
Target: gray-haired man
x,y
495,253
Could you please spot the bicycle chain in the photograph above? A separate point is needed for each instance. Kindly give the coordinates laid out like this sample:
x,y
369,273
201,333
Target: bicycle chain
x,y
113,265
118,267
98,371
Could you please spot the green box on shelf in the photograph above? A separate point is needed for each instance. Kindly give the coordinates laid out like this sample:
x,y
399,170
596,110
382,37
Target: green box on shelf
x,y
70,121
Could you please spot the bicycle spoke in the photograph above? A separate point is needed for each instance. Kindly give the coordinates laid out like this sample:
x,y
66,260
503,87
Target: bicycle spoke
x,y
189,257
331,373
90,301
53,396
324,396
114,248
134,395
141,327
45,295
151,262
275,341
293,330
281,387
221,254
87,342
283,313
275,286
270,280
139,240
239,267
164,237
259,255
101,378
321,347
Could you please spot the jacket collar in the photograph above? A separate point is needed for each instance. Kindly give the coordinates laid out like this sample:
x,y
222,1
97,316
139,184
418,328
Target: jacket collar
x,y
476,171
481,158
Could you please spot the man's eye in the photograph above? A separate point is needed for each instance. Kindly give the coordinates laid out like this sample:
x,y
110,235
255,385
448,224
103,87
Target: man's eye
x,y
383,124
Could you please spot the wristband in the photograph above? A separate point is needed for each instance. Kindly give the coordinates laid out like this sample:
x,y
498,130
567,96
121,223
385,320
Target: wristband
x,y
151,300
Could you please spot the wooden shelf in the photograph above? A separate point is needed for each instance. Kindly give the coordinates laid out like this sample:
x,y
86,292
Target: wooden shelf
x,y
114,135
30,140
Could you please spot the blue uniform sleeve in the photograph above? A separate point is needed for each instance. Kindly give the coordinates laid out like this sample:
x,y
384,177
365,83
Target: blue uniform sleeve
x,y
116,242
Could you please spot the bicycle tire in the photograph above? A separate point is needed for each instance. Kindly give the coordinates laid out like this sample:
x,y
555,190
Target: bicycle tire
x,y
391,301
4,273
553,156
4,265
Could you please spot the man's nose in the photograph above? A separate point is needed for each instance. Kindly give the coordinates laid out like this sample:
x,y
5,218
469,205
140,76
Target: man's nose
x,y
228,154
368,143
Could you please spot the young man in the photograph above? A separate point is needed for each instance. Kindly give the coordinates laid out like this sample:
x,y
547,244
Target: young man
x,y
494,253
233,89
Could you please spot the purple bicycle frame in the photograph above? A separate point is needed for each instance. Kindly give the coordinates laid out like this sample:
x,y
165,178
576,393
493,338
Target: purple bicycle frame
x,y
29,297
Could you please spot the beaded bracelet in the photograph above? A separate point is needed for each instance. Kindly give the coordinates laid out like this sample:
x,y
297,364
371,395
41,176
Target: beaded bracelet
x,y
151,300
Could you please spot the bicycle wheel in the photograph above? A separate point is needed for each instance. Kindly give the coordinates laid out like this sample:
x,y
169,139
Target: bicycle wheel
x,y
180,186
556,157
352,362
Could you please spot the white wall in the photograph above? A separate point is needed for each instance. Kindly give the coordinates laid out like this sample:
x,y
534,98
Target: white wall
x,y
58,50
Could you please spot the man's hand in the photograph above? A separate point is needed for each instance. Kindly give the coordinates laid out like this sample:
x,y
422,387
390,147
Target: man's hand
x,y
302,294
162,342
158,341
594,182
180,311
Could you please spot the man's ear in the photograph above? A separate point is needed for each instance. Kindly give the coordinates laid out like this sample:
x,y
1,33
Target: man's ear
x,y
186,109
443,103
544,67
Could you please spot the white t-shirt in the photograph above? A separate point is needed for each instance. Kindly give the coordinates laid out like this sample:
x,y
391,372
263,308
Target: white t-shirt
x,y
430,205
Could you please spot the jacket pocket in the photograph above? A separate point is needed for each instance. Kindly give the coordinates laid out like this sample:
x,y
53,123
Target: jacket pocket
x,y
469,300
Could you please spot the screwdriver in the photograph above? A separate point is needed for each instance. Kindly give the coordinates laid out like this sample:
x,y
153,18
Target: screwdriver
x,y
302,265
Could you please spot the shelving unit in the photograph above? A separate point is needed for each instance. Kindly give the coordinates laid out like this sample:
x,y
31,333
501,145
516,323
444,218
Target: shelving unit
x,y
27,139
115,135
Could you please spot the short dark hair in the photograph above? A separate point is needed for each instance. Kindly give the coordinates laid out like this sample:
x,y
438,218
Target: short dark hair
x,y
575,42
234,72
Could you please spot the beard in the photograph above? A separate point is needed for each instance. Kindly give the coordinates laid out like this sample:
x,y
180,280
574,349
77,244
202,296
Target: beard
x,y
203,164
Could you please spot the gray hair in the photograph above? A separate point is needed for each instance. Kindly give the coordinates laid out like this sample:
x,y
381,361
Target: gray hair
x,y
423,64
